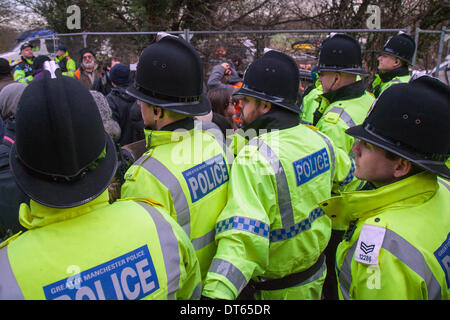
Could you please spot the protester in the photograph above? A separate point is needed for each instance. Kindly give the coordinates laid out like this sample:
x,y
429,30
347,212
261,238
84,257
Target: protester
x,y
5,73
124,108
11,196
104,84
38,66
89,70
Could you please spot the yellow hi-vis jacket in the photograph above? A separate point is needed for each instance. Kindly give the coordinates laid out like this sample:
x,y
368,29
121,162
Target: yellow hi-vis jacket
x,y
126,250
271,226
397,245
186,171
347,108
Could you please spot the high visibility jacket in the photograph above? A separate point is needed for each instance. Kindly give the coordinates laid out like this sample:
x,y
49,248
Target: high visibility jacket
x,y
398,242
383,81
23,71
125,250
310,103
342,109
186,171
67,65
271,226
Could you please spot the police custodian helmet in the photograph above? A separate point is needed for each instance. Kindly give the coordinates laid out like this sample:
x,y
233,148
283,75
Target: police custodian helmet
x,y
274,78
401,46
341,53
169,75
62,156
412,120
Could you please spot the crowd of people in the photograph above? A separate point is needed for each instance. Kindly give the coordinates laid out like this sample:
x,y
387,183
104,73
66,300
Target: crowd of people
x,y
161,185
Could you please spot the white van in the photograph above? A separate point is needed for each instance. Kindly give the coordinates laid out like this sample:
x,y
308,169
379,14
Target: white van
x,y
41,46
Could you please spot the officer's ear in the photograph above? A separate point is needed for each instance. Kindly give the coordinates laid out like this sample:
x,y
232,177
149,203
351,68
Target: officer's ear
x,y
402,168
157,113
265,106
397,62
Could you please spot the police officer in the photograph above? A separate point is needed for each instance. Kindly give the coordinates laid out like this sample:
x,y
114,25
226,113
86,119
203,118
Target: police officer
x,y
271,234
344,102
66,63
397,244
23,69
393,62
184,168
310,99
78,246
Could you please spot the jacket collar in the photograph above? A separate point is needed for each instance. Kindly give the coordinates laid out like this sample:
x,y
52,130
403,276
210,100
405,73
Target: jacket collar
x,y
389,75
66,54
37,215
276,119
351,91
351,206
170,133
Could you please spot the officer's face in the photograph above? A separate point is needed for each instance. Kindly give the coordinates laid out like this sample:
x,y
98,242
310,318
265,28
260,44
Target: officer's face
x,y
60,53
372,165
251,109
387,62
27,53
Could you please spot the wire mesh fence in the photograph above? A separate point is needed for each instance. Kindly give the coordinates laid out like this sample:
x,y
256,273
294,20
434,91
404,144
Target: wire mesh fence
x,y
303,45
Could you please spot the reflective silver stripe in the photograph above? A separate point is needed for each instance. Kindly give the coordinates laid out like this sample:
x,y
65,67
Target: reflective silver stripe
x,y
444,184
402,250
9,288
197,292
345,274
284,196
214,129
343,115
203,241
169,249
229,271
414,259
167,178
332,155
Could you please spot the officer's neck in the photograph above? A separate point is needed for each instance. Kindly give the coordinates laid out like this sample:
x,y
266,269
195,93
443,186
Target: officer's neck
x,y
170,124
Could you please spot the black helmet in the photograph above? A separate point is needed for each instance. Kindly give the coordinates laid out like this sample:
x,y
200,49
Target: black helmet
x,y
274,78
62,156
412,120
341,53
401,46
169,75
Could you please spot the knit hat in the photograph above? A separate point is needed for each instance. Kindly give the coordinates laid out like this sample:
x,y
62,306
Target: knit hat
x,y
111,126
4,66
86,50
120,74
9,99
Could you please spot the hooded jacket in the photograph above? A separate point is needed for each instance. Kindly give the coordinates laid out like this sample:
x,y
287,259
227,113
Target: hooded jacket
x,y
128,115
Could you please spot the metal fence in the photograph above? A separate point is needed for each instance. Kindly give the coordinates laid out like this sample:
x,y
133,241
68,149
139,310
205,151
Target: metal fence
x,y
302,45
